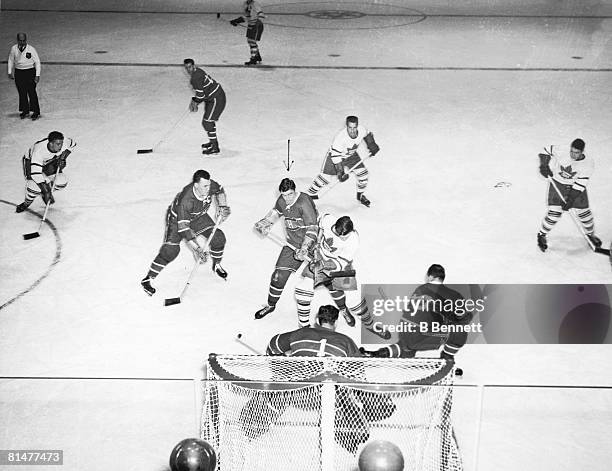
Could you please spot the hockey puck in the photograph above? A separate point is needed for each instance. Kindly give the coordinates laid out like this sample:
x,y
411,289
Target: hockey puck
x,y
239,336
218,15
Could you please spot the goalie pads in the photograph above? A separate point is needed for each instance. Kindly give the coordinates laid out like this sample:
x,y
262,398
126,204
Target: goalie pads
x,y
371,144
263,226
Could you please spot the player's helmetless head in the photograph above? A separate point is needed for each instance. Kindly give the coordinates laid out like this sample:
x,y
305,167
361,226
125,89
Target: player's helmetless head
x,y
327,316
351,126
201,182
576,148
56,141
287,191
436,273
343,227
189,65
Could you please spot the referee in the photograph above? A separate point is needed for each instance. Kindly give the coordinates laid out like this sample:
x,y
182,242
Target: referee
x,y
24,68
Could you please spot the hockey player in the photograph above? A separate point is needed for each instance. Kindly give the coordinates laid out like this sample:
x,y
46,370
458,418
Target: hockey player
x,y
332,267
300,215
411,342
187,218
254,16
342,155
570,173
321,340
209,91
43,168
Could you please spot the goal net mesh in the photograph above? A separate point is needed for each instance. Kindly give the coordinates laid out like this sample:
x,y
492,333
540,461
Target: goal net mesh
x,y
316,413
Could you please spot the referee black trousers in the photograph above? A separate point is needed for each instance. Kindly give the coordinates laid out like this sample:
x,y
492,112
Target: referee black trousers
x,y
26,86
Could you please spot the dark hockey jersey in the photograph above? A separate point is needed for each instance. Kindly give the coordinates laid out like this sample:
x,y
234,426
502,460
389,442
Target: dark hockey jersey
x,y
300,219
187,207
314,341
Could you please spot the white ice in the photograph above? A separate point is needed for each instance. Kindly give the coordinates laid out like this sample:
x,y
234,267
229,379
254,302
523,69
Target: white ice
x,y
488,85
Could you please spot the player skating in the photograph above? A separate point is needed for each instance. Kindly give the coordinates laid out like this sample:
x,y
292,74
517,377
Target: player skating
x,y
300,216
187,219
254,15
568,175
343,156
43,168
210,92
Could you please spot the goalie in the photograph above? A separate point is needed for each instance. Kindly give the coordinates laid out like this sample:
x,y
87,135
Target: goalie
x,y
343,156
43,168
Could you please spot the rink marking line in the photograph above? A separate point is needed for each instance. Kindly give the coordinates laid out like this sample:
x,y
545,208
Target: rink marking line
x,y
429,15
56,259
337,67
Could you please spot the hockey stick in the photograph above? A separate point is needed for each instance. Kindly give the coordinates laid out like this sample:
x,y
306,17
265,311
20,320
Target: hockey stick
x,y
328,188
173,301
152,149
34,235
239,340
578,225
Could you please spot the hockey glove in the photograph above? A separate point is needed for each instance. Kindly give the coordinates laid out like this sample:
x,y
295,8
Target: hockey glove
x,y
569,200
201,254
342,176
47,196
50,168
371,144
301,254
223,213
237,21
193,105
62,159
263,226
544,165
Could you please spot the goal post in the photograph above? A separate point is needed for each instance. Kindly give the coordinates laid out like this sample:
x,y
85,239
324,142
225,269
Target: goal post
x,y
316,413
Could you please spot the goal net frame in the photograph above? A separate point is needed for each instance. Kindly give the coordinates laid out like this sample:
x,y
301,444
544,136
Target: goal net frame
x,y
317,413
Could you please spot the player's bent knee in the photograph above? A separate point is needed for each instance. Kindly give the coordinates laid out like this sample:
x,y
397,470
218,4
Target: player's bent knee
x,y
169,252
208,125
279,278
218,240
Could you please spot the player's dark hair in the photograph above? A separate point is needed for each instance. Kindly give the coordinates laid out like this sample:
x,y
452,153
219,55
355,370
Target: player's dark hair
x,y
188,61
436,271
286,184
352,119
578,144
199,174
54,136
343,226
328,314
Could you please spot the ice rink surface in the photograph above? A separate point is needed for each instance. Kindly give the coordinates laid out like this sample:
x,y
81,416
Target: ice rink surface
x,y
460,98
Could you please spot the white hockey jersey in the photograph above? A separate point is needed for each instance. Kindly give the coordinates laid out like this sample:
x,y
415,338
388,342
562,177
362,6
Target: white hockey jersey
x,y
344,146
334,248
572,172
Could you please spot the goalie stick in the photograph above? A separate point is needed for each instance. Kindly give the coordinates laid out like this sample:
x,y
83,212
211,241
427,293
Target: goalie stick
x,y
34,235
165,136
578,225
173,301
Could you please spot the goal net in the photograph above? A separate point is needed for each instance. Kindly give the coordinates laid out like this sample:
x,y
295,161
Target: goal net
x,y
316,413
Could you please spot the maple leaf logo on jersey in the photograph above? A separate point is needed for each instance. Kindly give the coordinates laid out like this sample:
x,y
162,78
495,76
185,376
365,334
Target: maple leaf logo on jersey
x,y
566,172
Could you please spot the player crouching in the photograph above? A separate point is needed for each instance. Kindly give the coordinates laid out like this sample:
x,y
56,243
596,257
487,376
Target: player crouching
x,y
43,167
187,219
